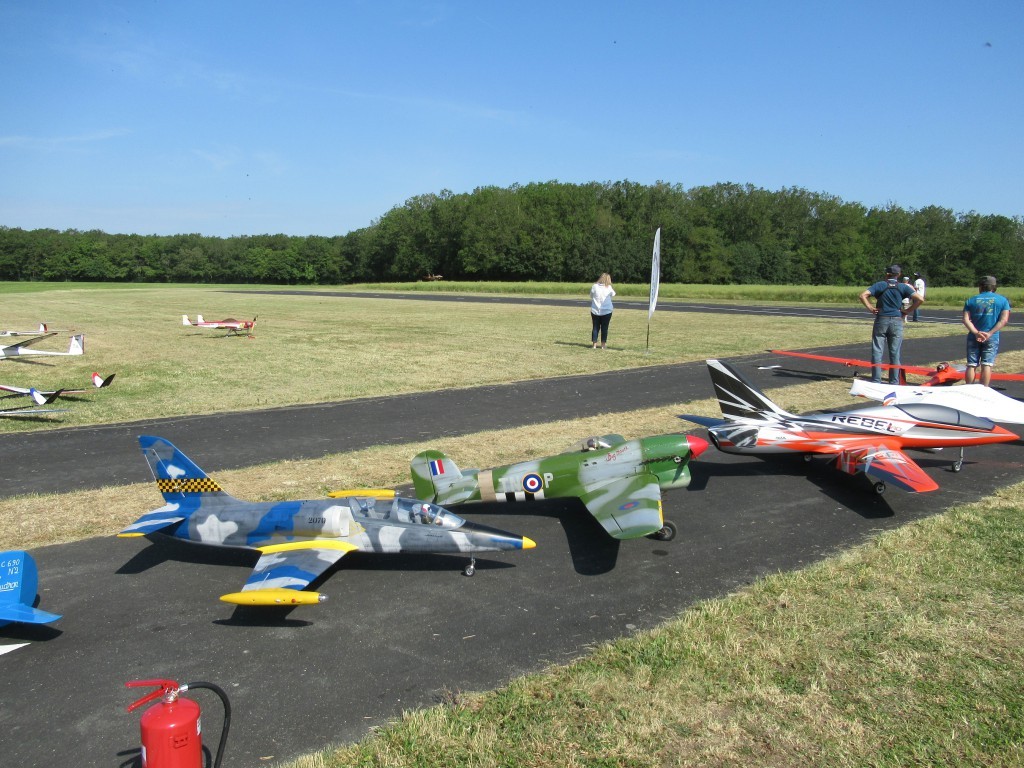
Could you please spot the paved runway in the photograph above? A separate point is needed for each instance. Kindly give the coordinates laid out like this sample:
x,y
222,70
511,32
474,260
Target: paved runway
x,y
401,632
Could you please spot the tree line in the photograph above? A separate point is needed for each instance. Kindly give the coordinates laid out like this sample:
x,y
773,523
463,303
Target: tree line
x,y
551,231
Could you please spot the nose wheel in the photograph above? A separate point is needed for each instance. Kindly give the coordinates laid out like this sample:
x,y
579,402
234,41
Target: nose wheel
x,y
470,569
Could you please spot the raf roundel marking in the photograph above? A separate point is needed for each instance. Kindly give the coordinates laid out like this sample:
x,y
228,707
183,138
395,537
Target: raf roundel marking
x,y
629,505
532,483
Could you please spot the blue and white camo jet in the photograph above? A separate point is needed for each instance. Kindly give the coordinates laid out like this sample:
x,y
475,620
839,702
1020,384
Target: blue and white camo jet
x,y
298,541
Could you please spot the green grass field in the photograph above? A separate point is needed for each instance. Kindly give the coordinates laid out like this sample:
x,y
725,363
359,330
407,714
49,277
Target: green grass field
x,y
902,652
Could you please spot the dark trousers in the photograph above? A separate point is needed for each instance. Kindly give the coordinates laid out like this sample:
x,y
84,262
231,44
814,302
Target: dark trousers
x,y
600,323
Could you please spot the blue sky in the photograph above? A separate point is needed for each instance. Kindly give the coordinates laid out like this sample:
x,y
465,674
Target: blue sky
x,y
233,118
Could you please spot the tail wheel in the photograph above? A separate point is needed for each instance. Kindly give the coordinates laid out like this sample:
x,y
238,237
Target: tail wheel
x,y
666,533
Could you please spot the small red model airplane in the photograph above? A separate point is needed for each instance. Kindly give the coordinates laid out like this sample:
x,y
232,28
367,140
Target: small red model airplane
x,y
232,326
942,374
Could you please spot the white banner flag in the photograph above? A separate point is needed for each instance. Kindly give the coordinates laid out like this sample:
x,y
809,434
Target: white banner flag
x,y
655,273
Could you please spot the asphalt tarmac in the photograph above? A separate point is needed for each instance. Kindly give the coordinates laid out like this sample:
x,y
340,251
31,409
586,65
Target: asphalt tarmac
x,y
402,632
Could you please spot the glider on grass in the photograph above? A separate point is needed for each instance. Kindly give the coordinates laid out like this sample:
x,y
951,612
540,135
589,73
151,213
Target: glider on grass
x,y
869,440
40,330
941,374
619,481
45,397
42,396
232,326
12,351
19,581
298,541
975,399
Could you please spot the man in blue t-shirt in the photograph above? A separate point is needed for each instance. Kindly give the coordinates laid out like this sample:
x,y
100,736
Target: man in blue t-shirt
x,y
889,312
984,315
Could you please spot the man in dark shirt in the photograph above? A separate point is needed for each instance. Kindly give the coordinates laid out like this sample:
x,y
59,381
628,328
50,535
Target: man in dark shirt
x,y
887,332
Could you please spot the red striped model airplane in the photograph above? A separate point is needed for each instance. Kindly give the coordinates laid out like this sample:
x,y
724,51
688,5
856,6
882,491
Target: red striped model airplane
x,y
232,326
942,374
870,440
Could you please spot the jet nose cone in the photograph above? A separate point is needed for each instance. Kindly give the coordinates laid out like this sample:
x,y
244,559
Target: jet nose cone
x,y
528,543
697,445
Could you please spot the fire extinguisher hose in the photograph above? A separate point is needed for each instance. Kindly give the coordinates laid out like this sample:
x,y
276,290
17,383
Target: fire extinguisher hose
x,y
227,714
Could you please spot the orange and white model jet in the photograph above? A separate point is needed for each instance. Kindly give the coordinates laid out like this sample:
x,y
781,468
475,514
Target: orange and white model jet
x,y
870,440
232,326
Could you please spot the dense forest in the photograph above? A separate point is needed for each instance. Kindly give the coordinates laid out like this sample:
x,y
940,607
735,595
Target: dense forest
x,y
726,233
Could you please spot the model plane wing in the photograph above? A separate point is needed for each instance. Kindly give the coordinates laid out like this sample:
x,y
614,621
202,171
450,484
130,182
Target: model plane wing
x,y
627,508
889,465
284,570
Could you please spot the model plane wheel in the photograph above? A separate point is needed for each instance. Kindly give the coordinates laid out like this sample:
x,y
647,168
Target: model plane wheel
x,y
808,457
470,569
879,487
958,465
666,533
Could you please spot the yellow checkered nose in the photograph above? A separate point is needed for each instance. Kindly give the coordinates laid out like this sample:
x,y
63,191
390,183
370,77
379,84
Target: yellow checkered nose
x,y
202,485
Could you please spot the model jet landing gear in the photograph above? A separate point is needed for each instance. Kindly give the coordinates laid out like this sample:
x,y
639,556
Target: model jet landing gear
x,y
959,463
667,532
879,487
470,569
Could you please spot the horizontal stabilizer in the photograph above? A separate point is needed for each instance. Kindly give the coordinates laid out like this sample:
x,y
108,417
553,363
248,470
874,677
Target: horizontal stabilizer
x,y
152,522
704,421
26,614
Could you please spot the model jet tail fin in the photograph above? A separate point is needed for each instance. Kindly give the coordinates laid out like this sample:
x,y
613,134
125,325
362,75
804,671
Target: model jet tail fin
x,y
437,478
19,583
178,478
738,398
77,345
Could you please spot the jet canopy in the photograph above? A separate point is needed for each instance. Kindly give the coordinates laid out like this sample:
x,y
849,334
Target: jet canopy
x,y
405,511
941,414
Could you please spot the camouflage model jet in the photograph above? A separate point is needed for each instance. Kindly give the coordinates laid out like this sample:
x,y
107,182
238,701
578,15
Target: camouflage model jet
x,y
869,440
299,540
619,481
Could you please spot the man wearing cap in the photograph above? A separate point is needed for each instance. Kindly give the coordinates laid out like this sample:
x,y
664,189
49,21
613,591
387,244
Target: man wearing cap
x,y
888,309
984,315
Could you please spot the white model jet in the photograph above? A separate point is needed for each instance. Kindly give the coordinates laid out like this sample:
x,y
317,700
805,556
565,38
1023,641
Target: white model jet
x,y
975,399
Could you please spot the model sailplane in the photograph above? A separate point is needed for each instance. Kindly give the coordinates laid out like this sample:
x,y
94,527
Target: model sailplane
x,y
298,541
232,326
619,481
45,397
941,374
19,582
870,440
21,349
40,330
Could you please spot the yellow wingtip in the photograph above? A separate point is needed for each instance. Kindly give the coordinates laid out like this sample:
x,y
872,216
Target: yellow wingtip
x,y
274,597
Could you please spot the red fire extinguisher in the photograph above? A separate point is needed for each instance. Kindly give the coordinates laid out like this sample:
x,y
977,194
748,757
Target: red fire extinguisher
x,y
172,729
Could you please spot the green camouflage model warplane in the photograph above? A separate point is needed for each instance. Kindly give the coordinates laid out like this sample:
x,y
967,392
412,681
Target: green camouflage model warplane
x,y
619,481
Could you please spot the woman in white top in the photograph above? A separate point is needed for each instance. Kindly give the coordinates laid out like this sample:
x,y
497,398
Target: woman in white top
x,y
601,309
